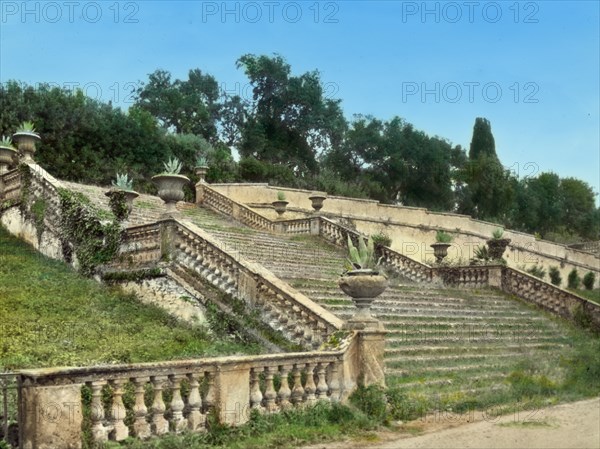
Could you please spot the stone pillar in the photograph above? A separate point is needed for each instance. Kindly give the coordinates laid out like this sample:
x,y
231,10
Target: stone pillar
x,y
167,240
200,192
495,277
315,225
368,354
232,400
51,416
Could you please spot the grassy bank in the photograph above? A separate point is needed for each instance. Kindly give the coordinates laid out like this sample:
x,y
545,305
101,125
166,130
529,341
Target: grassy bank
x,y
51,316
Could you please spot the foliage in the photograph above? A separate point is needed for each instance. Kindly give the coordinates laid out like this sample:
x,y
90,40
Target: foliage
x,y
118,205
123,182
573,280
363,257
482,253
201,161
7,142
27,127
172,166
537,271
588,280
280,196
59,318
555,277
381,239
498,233
371,401
443,237
82,225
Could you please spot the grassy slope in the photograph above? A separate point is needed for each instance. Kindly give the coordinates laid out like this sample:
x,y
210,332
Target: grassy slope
x,y
51,316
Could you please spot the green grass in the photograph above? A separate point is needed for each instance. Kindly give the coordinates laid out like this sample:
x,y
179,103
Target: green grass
x,y
51,316
592,295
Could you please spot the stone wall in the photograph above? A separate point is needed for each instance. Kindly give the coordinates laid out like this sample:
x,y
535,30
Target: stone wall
x,y
413,229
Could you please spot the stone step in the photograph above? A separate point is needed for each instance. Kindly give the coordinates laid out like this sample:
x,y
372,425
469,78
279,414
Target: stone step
x,y
467,347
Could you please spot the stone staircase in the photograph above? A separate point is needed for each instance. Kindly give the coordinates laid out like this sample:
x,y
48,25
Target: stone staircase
x,y
440,341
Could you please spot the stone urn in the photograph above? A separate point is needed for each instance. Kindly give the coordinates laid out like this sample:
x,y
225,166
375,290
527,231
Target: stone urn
x,y
280,206
130,195
363,286
170,189
8,157
26,141
440,251
317,202
497,247
201,171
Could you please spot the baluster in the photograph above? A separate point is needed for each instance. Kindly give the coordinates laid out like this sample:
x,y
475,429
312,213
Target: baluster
x,y
297,390
256,395
160,425
334,382
310,388
177,404
284,393
270,394
209,399
322,387
141,427
119,430
196,419
99,431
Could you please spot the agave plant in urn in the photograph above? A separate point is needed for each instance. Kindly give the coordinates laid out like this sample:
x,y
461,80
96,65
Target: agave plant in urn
x,y
170,185
122,188
26,139
362,281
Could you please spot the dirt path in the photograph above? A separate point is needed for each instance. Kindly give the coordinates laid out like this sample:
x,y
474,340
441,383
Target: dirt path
x,y
565,426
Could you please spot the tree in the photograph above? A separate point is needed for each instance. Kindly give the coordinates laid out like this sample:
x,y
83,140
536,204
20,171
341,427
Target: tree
x,y
483,142
290,122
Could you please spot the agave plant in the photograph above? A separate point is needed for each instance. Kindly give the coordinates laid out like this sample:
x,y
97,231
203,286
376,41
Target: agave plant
x,y
280,196
201,161
123,182
26,127
173,166
6,142
443,237
363,257
498,233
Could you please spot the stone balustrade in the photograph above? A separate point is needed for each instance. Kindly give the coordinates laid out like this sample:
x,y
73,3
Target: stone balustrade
x,y
296,226
231,387
469,276
10,186
141,245
550,297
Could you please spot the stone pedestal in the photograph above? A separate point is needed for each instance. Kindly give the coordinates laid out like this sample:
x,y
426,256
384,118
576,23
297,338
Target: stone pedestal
x,y
232,394
369,355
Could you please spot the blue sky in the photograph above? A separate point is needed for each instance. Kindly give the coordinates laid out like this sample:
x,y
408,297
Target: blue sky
x,y
531,68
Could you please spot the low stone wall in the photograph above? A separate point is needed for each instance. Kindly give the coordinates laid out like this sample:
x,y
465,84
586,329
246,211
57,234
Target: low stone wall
x,y
413,229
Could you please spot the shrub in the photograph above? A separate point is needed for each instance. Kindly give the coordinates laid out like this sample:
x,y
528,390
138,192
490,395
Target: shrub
x,y
555,277
588,280
537,271
371,401
381,239
573,280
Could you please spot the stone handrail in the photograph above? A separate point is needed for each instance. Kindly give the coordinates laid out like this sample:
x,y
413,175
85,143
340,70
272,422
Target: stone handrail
x,y
469,276
555,299
219,202
197,257
10,186
230,386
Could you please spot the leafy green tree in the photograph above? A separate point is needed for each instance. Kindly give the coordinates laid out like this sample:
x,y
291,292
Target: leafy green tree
x,y
482,143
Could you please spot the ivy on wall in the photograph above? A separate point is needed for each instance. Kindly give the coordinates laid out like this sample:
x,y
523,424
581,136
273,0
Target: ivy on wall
x,y
94,236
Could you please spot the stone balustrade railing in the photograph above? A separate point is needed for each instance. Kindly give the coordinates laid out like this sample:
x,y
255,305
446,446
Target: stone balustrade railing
x,y
469,276
10,186
550,297
230,387
141,245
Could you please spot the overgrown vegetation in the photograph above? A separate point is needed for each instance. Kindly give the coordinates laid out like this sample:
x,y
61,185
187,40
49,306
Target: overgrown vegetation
x,y
555,277
573,280
51,316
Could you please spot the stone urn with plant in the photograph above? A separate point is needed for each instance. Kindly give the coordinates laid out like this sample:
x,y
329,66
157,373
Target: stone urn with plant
x,y
26,139
201,168
8,154
281,204
441,245
497,245
170,184
122,193
362,280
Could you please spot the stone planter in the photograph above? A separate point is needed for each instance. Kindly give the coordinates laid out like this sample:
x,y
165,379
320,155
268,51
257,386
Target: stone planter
x,y
497,247
8,157
317,202
130,195
26,142
201,171
440,251
170,189
363,286
280,207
